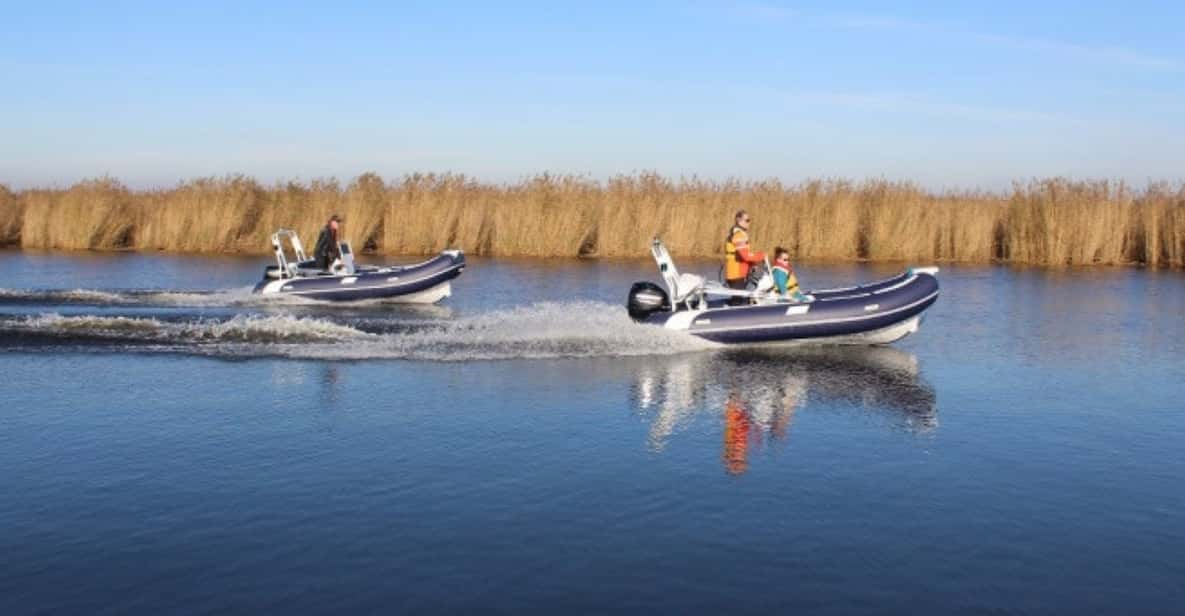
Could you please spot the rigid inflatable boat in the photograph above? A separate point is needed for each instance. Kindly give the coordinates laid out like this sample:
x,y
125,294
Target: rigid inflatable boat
x,y
875,313
420,283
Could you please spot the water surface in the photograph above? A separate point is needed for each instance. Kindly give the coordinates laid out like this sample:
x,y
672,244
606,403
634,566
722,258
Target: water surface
x,y
171,443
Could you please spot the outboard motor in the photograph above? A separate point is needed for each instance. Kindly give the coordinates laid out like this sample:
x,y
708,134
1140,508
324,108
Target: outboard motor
x,y
645,299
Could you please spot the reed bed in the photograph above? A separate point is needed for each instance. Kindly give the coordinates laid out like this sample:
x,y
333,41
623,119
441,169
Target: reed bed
x,y
11,213
1040,222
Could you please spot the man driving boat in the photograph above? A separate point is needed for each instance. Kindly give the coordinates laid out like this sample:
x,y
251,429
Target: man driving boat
x,y
327,249
738,258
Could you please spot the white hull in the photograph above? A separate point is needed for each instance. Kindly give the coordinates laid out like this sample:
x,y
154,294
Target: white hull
x,y
427,296
885,335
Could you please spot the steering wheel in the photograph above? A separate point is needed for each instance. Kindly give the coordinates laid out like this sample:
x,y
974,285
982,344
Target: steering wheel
x,y
755,274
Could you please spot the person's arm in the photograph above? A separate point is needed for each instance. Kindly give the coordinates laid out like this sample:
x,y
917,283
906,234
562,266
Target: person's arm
x,y
749,256
743,251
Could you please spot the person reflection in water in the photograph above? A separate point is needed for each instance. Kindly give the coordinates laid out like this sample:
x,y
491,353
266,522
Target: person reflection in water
x,y
737,426
756,396
744,428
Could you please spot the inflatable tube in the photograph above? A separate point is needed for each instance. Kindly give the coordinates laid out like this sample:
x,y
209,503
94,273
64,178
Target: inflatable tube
x,y
426,282
874,313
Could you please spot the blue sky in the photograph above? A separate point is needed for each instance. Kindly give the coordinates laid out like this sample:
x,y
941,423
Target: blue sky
x,y
946,94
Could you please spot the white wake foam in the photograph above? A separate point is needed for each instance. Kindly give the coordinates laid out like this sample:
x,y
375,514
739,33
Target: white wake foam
x,y
546,330
257,329
96,297
64,296
230,297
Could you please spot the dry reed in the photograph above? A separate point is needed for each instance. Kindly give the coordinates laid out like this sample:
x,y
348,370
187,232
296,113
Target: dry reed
x,y
1043,222
11,213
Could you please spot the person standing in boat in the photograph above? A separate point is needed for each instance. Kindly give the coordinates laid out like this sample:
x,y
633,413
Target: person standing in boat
x,y
738,257
327,249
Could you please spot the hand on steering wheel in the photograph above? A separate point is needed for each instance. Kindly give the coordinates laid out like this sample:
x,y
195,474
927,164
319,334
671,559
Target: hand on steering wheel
x,y
755,273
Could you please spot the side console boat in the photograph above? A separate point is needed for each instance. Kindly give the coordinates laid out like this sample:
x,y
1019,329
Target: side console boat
x,y
420,283
874,313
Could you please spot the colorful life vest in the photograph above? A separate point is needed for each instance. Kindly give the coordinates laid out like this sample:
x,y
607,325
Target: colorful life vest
x,y
735,268
785,279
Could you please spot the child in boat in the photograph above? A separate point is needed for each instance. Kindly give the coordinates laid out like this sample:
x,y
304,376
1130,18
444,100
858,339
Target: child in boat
x,y
785,281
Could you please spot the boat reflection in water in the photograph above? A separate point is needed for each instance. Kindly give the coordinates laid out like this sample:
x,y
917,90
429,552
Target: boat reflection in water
x,y
758,392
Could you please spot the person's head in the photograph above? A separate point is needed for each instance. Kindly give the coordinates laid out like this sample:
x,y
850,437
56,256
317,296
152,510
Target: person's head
x,y
334,221
781,254
742,219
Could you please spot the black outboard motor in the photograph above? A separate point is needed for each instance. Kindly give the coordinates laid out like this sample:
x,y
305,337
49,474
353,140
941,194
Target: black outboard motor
x,y
645,299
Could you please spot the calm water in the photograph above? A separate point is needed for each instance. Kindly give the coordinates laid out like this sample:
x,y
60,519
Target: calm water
x,y
169,443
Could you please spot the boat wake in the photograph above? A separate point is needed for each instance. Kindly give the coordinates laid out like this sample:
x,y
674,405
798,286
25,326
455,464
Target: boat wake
x,y
144,297
257,329
545,330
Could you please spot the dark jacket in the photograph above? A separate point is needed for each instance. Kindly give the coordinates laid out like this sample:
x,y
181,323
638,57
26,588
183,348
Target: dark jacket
x,y
326,249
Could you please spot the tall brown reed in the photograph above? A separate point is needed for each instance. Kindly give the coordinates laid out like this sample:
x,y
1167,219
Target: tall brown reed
x,y
1045,222
11,212
94,214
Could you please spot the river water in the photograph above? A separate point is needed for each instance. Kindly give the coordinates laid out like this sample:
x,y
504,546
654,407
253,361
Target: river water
x,y
171,444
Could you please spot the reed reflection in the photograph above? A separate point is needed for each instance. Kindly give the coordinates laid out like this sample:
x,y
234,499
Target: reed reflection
x,y
757,394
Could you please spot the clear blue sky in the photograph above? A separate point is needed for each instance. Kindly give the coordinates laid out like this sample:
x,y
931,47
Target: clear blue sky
x,y
945,93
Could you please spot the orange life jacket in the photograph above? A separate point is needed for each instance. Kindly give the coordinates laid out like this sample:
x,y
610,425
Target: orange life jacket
x,y
735,267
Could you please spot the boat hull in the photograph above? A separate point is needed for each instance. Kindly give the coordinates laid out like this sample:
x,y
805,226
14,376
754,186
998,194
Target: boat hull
x,y
877,313
423,283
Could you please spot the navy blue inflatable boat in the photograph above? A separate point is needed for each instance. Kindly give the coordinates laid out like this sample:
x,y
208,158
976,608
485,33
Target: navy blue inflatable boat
x,y
875,313
422,283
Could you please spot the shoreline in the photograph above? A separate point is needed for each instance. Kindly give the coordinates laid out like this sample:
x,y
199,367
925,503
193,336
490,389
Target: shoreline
x,y
694,260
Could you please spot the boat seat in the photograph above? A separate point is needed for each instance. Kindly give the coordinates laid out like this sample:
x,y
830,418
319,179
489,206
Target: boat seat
x,y
681,286
685,285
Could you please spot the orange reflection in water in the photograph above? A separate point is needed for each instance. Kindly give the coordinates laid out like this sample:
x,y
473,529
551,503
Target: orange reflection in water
x,y
743,432
757,394
737,425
